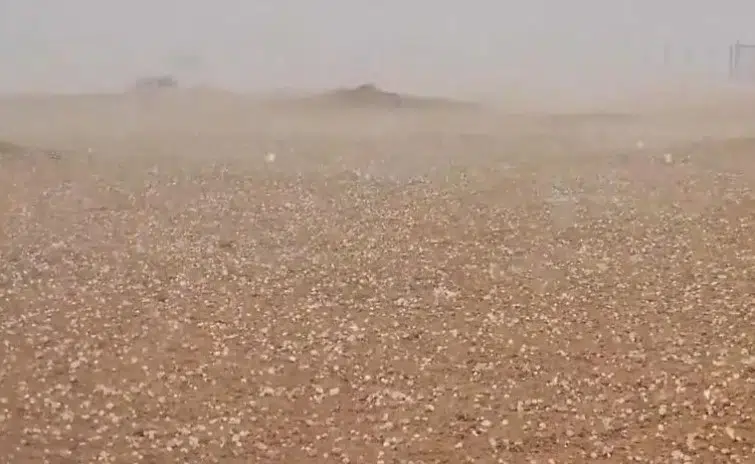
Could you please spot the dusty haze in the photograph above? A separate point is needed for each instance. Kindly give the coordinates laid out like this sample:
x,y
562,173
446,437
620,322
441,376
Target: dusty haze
x,y
580,48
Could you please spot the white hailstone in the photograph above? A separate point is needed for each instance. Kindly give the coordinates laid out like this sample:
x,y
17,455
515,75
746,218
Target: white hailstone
x,y
270,157
640,144
668,158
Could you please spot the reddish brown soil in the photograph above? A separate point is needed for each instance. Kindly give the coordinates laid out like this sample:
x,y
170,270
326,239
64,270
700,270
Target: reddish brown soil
x,y
238,313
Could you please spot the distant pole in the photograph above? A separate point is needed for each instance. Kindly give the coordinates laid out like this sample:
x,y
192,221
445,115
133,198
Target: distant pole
x,y
731,62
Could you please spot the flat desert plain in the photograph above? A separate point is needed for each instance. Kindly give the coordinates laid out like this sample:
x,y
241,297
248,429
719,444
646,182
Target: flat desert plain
x,y
199,277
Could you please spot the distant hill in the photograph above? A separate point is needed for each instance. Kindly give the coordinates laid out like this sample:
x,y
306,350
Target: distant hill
x,y
10,148
371,96
12,151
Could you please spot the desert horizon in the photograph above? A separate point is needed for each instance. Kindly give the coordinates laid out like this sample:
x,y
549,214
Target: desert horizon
x,y
395,232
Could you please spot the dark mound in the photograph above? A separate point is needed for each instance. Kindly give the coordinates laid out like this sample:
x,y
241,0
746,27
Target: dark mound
x,y
369,95
11,149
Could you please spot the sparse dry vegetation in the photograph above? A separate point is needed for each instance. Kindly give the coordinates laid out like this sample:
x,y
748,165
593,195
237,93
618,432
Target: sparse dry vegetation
x,y
414,294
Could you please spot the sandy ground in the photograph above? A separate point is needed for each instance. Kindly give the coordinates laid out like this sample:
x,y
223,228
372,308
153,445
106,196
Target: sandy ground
x,y
205,278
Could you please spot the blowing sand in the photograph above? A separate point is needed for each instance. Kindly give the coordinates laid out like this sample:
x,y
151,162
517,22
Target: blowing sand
x,y
199,277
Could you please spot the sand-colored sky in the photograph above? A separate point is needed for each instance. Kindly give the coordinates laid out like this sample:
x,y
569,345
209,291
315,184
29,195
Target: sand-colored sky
x,y
475,46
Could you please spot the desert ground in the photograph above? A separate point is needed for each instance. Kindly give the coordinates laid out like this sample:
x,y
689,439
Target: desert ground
x,y
198,276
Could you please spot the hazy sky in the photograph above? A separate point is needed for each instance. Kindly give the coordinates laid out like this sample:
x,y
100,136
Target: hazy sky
x,y
442,45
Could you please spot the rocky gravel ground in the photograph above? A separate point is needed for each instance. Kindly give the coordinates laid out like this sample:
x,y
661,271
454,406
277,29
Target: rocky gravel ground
x,y
544,311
